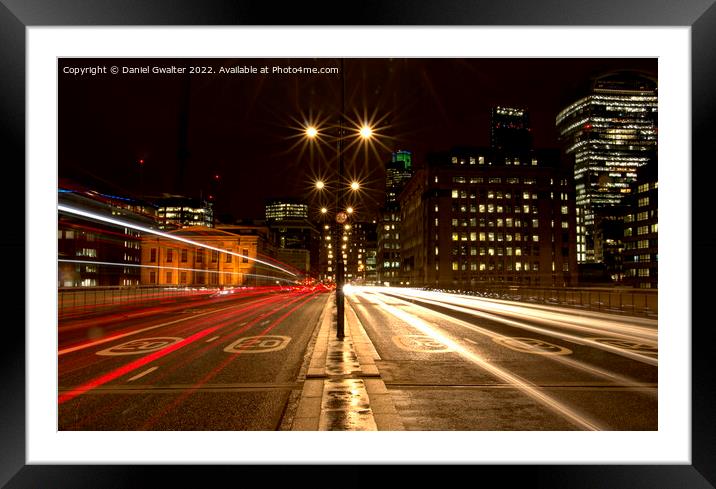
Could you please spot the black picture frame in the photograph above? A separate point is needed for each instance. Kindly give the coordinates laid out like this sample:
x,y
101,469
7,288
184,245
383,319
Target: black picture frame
x,y
17,15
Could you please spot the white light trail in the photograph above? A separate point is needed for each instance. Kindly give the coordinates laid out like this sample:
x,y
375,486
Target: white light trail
x,y
527,387
117,222
157,267
549,332
621,380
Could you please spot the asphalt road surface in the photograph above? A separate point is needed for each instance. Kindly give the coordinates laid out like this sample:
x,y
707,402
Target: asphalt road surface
x,y
463,363
217,363
449,362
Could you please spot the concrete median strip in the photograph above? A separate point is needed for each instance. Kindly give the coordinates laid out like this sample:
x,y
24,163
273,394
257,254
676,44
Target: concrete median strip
x,y
343,390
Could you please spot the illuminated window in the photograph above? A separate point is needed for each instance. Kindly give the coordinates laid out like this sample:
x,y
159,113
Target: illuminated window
x,y
454,266
455,237
245,258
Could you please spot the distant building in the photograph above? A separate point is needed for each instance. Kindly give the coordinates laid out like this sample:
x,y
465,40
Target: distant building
x,y
641,230
94,253
397,173
167,261
474,217
297,240
510,132
176,212
607,134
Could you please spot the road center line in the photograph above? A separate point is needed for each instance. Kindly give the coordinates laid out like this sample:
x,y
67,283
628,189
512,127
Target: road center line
x,y
148,371
212,339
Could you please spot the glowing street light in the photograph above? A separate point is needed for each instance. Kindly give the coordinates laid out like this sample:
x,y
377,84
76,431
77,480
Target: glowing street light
x,y
366,132
355,185
320,184
311,132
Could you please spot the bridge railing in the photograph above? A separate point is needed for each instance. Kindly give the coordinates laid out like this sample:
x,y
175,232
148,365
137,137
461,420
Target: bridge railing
x,y
79,301
617,300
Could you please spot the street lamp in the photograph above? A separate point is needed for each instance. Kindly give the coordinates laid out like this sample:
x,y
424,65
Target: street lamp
x,y
342,212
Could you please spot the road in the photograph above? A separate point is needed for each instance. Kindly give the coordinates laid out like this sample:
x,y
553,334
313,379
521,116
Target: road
x,y
462,363
220,363
449,362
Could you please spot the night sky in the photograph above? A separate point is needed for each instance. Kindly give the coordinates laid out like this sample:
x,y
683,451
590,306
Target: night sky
x,y
246,128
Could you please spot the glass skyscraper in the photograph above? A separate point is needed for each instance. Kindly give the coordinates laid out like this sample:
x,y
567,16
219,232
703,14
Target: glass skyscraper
x,y
608,134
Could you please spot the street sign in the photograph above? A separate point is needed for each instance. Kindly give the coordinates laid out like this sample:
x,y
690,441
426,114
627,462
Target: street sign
x,y
341,217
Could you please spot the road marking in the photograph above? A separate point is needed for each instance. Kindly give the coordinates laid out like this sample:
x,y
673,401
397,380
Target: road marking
x,y
148,371
619,379
531,345
140,346
470,341
548,332
420,343
112,338
258,344
643,348
530,389
212,339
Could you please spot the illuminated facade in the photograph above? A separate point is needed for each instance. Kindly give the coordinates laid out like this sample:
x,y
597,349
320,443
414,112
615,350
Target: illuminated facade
x,y
296,239
167,261
179,212
641,230
473,218
283,209
607,134
94,253
397,173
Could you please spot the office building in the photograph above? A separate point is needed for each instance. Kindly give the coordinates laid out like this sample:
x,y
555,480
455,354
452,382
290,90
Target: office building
x,y
607,135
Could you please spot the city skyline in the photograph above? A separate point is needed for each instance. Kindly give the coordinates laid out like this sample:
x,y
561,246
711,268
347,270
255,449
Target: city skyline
x,y
245,128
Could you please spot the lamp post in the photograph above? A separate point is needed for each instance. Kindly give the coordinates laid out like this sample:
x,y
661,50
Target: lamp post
x,y
364,132
339,219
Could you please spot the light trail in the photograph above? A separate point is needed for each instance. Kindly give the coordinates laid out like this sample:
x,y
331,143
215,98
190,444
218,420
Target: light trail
x,y
118,222
576,418
125,369
124,335
174,269
552,314
621,380
549,332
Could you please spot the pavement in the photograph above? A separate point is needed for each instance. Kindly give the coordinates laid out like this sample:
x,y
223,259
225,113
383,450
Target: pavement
x,y
343,389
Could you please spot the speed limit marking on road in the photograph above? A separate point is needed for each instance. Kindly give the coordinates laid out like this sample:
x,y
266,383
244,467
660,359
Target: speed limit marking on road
x,y
258,344
137,347
643,348
421,343
531,345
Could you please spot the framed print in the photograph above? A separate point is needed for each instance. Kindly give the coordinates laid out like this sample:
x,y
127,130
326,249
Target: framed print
x,y
84,103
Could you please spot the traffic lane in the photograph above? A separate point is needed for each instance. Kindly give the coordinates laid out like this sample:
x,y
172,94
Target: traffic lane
x,y
76,332
176,345
573,322
205,410
581,353
538,376
268,348
111,352
158,400
437,363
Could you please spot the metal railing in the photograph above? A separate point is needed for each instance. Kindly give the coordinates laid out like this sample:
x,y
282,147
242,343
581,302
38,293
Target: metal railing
x,y
77,301
617,300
